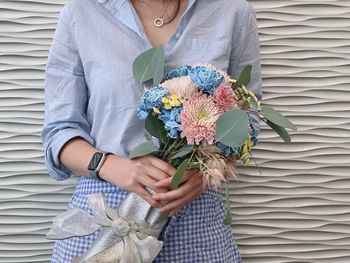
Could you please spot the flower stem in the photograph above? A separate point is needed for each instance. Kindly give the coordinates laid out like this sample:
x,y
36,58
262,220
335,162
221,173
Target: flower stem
x,y
174,146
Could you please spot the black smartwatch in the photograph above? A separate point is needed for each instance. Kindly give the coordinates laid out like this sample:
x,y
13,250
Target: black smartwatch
x,y
95,165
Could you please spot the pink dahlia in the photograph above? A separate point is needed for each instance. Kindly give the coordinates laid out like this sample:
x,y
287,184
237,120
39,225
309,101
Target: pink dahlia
x,y
225,98
198,119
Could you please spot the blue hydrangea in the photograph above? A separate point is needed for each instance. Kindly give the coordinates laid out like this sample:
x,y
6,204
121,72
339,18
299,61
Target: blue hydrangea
x,y
206,79
151,98
226,149
253,134
171,119
178,72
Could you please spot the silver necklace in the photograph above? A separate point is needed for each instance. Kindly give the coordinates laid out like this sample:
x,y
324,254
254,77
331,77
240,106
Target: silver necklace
x,y
159,21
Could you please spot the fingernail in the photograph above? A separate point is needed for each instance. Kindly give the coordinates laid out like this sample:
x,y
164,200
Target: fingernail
x,y
156,196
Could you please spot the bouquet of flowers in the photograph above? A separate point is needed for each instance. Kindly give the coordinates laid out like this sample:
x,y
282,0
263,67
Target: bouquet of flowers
x,y
196,117
201,117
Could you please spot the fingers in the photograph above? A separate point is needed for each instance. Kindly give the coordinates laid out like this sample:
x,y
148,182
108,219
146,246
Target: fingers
x,y
167,182
164,183
193,182
162,190
177,204
147,196
164,166
174,194
147,181
156,173
178,198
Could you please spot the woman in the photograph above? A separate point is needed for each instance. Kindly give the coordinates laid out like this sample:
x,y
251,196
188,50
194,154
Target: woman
x,y
90,107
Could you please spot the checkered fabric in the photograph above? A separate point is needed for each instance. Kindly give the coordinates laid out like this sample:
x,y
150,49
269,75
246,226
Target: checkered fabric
x,y
196,234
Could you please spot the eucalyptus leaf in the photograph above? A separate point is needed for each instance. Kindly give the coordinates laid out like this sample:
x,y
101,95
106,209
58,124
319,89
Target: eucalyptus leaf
x,y
183,151
232,128
282,132
153,125
277,118
159,64
228,215
176,180
150,65
142,150
244,77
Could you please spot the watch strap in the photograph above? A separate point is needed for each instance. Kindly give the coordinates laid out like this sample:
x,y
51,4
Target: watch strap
x,y
94,174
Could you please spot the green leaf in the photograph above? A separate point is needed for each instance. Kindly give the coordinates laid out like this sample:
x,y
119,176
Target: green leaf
x,y
244,77
159,64
282,132
183,151
228,215
232,128
142,150
277,118
153,125
176,180
150,65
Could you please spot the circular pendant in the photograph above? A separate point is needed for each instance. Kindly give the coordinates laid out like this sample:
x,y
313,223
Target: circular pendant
x,y
158,22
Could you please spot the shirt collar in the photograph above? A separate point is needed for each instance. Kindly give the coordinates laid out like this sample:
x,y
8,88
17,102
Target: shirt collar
x,y
117,4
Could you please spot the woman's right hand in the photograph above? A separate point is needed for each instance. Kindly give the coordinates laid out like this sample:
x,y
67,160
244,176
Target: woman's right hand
x,y
136,174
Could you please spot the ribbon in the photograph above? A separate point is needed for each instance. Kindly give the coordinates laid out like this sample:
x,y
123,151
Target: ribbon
x,y
121,238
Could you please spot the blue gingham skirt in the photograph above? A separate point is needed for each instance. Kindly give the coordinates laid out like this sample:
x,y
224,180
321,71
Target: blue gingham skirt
x,y
195,234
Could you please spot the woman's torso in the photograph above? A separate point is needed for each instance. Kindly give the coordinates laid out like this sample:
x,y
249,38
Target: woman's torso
x,y
109,36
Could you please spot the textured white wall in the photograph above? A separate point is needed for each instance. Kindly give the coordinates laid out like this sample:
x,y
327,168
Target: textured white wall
x,y
298,211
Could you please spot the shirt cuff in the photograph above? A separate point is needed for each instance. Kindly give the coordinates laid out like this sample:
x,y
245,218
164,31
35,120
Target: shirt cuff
x,y
53,165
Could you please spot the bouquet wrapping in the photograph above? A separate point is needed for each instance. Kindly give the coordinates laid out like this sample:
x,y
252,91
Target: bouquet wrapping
x,y
129,234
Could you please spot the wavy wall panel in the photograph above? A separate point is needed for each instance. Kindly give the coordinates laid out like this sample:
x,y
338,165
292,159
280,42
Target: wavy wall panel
x,y
297,211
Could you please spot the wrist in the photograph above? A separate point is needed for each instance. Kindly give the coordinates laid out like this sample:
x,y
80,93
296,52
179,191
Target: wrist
x,y
103,173
108,169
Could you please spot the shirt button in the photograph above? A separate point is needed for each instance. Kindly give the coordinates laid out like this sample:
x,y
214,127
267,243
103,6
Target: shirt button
x,y
178,35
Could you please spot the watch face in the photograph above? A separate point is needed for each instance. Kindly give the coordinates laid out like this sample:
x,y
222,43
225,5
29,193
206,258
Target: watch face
x,y
95,160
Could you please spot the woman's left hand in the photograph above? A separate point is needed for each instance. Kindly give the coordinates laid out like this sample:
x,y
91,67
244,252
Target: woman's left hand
x,y
192,186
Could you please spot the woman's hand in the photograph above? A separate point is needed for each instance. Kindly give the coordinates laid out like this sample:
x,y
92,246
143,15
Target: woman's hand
x,y
191,187
134,175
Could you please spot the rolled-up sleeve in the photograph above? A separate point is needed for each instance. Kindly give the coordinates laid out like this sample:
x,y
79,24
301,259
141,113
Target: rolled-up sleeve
x,y
65,97
246,50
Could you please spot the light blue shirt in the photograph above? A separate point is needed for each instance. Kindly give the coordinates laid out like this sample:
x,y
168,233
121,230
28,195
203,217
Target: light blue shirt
x,y
90,90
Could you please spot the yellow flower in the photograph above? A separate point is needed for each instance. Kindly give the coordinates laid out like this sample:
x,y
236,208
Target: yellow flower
x,y
173,101
167,103
247,147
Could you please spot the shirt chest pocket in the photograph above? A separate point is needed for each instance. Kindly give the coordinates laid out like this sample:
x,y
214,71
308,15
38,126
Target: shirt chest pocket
x,y
198,50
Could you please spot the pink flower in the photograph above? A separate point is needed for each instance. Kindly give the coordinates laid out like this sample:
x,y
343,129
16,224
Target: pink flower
x,y
198,119
182,87
225,98
214,172
219,169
